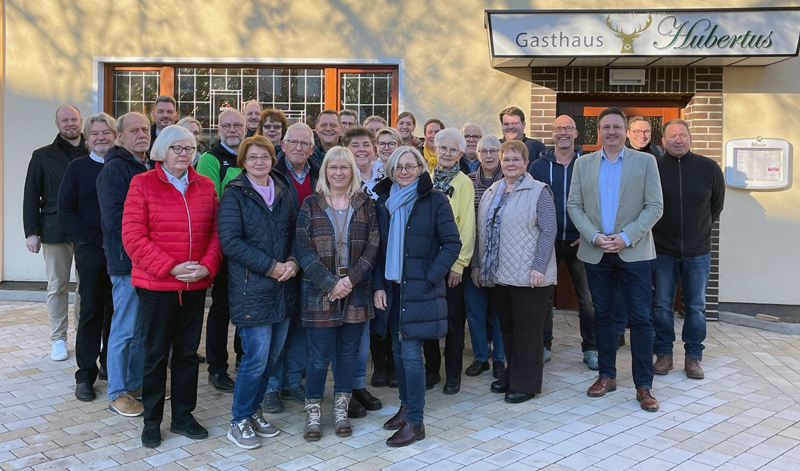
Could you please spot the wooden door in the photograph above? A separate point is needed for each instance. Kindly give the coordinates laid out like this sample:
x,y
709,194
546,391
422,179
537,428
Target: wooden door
x,y
585,112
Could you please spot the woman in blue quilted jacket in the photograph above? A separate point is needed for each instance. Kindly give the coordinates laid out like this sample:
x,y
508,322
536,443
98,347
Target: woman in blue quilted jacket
x,y
256,223
420,243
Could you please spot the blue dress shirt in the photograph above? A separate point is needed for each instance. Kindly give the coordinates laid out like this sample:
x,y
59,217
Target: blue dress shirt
x,y
609,182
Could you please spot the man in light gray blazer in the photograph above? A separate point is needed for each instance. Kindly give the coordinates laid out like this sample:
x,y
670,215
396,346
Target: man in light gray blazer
x,y
615,200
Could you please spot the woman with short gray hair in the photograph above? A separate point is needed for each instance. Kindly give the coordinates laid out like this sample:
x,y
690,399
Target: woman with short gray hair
x,y
420,243
448,179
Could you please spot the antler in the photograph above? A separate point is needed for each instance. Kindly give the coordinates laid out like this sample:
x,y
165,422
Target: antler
x,y
647,25
611,26
636,31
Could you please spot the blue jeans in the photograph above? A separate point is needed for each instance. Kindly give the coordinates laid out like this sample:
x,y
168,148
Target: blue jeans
x,y
693,274
360,381
478,308
408,362
635,281
326,344
288,372
262,346
125,358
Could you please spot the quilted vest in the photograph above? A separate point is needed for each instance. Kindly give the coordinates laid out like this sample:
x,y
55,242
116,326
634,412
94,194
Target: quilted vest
x,y
518,233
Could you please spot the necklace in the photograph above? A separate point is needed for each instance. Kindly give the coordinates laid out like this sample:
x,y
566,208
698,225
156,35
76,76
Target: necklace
x,y
339,230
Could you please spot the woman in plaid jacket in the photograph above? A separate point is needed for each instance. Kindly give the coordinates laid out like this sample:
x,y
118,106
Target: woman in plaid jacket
x,y
337,244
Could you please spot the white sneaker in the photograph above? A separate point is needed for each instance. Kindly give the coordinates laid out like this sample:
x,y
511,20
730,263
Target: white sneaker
x,y
243,435
59,351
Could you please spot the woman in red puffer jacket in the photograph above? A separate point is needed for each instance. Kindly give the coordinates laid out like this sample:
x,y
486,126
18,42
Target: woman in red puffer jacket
x,y
169,230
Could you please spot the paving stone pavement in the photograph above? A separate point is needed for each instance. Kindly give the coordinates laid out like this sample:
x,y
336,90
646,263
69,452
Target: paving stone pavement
x,y
742,416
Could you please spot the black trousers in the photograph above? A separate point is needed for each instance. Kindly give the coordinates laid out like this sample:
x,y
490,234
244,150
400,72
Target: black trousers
x,y
577,272
521,312
219,318
454,340
96,309
171,319
382,353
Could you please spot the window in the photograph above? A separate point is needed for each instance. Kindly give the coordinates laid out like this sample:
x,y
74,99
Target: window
x,y
203,90
368,94
135,90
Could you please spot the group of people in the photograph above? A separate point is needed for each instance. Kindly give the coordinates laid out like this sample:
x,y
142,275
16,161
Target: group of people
x,y
323,246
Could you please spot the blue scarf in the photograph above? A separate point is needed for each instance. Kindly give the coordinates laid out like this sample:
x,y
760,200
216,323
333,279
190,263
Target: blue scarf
x,y
399,205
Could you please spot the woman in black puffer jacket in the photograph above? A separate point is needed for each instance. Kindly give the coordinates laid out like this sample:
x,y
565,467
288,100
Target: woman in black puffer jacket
x,y
256,224
419,243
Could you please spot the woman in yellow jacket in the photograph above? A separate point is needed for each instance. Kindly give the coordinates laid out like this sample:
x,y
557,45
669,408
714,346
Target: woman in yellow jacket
x,y
447,178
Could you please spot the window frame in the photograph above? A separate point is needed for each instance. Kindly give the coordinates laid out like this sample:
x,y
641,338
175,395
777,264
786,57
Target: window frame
x,y
333,70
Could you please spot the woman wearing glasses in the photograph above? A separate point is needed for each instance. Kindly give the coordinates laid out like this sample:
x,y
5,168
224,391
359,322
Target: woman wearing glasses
x,y
517,262
272,124
337,244
476,298
420,243
387,139
384,373
256,220
169,230
448,179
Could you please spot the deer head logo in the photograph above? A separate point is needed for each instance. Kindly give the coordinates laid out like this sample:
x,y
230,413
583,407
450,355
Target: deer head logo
x,y
628,38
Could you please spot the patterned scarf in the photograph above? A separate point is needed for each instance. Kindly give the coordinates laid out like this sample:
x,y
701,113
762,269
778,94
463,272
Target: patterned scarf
x,y
443,177
490,259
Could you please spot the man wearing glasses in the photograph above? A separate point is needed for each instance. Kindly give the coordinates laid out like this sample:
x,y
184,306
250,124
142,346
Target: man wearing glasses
x,y
300,173
555,168
469,161
219,164
640,136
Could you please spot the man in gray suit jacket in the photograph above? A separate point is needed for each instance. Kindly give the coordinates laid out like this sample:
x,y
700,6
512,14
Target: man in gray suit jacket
x,y
615,200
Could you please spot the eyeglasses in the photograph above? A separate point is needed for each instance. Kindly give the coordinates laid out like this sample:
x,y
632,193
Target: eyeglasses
x,y
563,128
253,159
448,150
472,137
488,151
343,168
387,145
227,126
292,143
639,133
180,149
406,168
276,127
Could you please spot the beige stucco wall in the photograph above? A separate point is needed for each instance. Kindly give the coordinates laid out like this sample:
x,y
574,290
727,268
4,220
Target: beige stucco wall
x,y
759,253
446,73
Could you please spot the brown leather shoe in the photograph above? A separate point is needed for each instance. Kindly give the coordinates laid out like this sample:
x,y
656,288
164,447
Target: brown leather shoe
x,y
407,435
693,369
396,422
646,399
602,386
662,365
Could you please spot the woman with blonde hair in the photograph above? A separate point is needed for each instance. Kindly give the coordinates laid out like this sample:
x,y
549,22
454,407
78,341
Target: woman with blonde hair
x,y
337,244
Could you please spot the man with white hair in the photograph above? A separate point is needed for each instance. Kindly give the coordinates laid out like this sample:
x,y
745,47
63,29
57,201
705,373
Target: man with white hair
x,y
42,230
469,161
219,164
125,361
300,172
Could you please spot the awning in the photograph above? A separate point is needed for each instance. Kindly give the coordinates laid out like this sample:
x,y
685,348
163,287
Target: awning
x,y
643,38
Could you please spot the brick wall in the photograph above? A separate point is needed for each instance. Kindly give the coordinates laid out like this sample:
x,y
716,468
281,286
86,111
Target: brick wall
x,y
703,112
